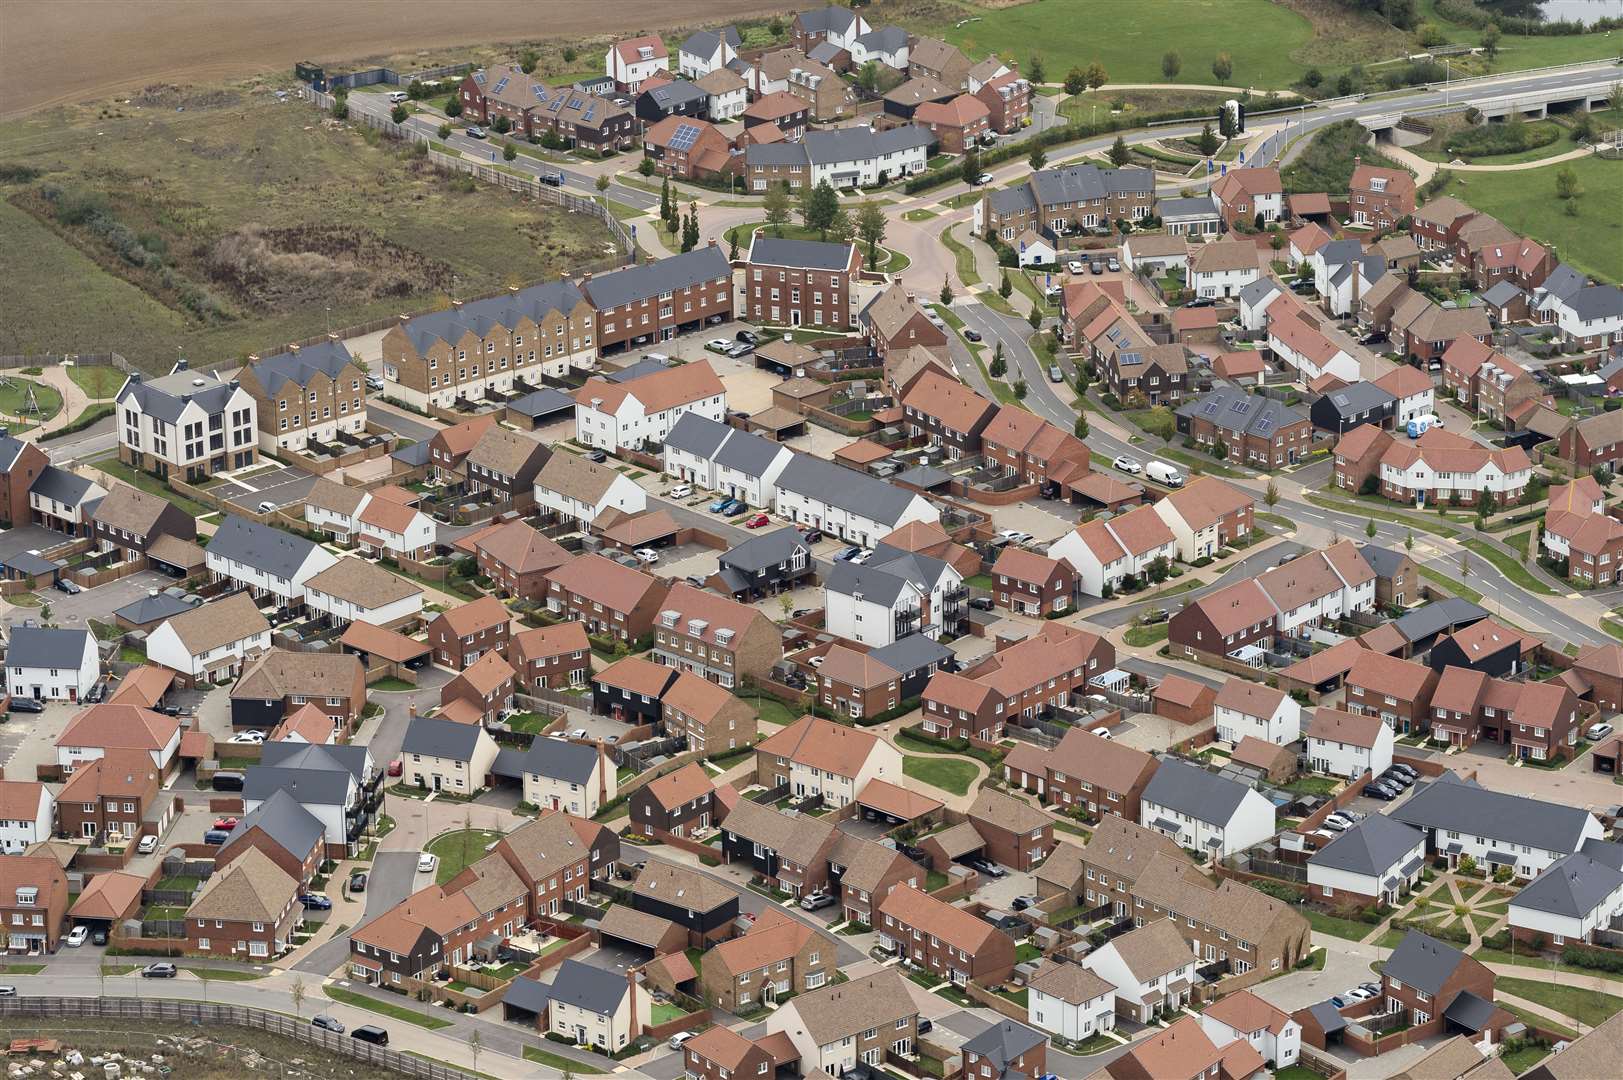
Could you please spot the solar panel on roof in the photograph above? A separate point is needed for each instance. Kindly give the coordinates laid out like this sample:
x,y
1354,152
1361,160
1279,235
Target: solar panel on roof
x,y
479,77
575,103
1240,406
501,85
1210,408
539,91
686,135
1265,424
587,115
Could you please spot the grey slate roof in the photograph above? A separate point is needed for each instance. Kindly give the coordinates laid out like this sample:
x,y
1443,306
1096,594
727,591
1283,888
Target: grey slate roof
x,y
1236,411
525,993
1202,795
825,52
1384,561
1072,183
1501,293
433,737
417,452
47,647
1003,1042
767,549
327,357
1597,302
1563,281
1328,1016
166,397
310,787
632,372
849,490
1258,291
1012,200
697,435
885,39
808,254
832,19
1191,209
267,549
586,987
870,582
560,760
747,453
509,763
10,447
1339,252
1423,962
1437,616
544,402
330,758
1572,885
915,652
830,147
152,608
1359,397
30,563
481,316
1451,803
661,276
1469,1011
674,95
1370,847
704,43
65,487
294,828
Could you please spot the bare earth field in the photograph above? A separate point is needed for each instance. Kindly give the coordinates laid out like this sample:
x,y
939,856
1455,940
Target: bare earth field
x,y
58,52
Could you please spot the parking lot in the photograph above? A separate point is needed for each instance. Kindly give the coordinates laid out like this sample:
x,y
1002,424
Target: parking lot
x,y
279,486
28,740
100,603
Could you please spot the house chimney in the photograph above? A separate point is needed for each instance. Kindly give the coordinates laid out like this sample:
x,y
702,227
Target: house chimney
x,y
586,277
235,384
135,376
253,358
513,289
180,365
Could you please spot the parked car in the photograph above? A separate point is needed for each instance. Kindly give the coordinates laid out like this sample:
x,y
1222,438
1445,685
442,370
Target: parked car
x,y
226,823
972,335
158,971
1358,993
742,348
847,554
397,96
147,846
1096,266
734,508
816,901
1131,466
987,867
1336,825
719,505
981,603
597,456
1397,767
1055,375
247,738
99,937
757,521
680,491
326,1023
316,901
1021,903
1377,338
8,991
1379,791
373,382
427,863
1113,263
371,1033
227,781
1162,473
1015,536
1397,779
475,131
720,344
812,536
1101,731
647,555
72,588
357,881
216,836
1075,266
675,1041
1200,301
76,937
749,336
397,767
1154,615
1340,1002
983,178
862,556
1594,734
27,704
926,1025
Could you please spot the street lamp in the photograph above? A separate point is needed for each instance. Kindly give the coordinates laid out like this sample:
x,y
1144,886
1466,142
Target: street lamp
x,y
1448,74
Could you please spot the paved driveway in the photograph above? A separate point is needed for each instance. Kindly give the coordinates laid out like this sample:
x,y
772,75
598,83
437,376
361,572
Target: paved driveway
x,y
100,603
280,486
28,740
391,881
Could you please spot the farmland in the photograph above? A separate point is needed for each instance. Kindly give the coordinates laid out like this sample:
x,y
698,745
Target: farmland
x,y
1524,199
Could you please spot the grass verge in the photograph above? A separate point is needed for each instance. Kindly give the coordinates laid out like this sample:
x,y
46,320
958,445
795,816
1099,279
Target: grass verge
x,y
384,1008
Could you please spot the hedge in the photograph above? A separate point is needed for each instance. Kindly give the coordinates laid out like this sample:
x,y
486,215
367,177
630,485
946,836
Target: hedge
x,y
1593,959
91,415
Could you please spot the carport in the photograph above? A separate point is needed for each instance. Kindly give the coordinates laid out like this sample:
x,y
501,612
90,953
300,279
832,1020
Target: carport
x,y
777,423
652,528
952,844
647,936
525,1001
109,898
895,804
174,556
541,407
26,565
924,478
380,648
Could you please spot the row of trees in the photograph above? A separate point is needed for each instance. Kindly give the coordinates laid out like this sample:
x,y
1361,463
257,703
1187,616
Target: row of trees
x,y
820,211
1094,75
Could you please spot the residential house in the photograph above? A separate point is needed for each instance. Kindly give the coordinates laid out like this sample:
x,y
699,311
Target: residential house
x,y
34,902
1254,934
1183,700
866,684
632,690
1595,442
800,282
1084,773
1183,1050
629,414
632,60
21,463
1016,834
1422,329
657,300
1007,97
705,51
660,99
550,657
959,124
1269,1030
338,785
778,957
355,590
835,25
777,116
701,904
1459,817
50,664
1487,646
789,851
892,595
1378,196
714,636
1066,199
1571,898
314,394
282,831
113,799
1397,691
1253,196
572,489
821,758
460,636
211,642
1030,584
574,777
1150,969
851,157
130,521
450,446
27,815
1203,811
1376,862
709,717
1108,865
1411,390
281,682
1243,708
65,502
1037,452
1536,721
1025,679
1007,1049
266,561
766,564
1104,552
723,459
470,348
1206,516
1348,745
681,803
443,755
611,600
718,1053
946,411
894,321
1426,980
1070,1001
1600,667
947,942
857,508
517,558
865,871
860,1020
1342,408
1438,467
728,96
1256,431
1222,268
485,687
556,857
505,464
247,910
187,424
1485,381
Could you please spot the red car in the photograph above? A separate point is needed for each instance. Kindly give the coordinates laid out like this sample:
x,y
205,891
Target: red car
x,y
396,767
226,823
757,521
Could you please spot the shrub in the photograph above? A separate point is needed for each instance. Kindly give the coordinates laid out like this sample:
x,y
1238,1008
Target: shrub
x,y
1508,138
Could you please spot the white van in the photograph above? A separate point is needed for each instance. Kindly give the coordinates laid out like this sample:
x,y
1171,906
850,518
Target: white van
x,y
1423,423
1162,473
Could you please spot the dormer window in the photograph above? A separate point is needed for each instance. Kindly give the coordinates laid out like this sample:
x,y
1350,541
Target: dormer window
x,y
27,896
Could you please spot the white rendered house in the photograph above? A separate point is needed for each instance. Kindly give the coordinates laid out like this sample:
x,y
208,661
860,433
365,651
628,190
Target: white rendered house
x,y
850,505
1151,968
211,641
1243,1015
1203,811
715,457
1070,1001
1103,552
1348,745
48,664
265,560
1246,708
1574,896
27,815
187,423
631,414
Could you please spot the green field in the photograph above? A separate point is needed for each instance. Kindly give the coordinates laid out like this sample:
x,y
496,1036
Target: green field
x,y
948,774
458,848
1518,53
97,380
1525,200
1129,38
241,224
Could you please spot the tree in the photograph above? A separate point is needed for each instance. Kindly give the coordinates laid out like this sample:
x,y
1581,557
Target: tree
x,y
1020,390
1171,64
646,166
1370,529
1208,143
818,206
444,132
871,228
946,293
1225,124
1097,75
509,152
786,604
475,1044
501,125
1614,97
296,992
1034,69
1000,366
603,182
1035,317
840,230
1005,287
665,203
569,54
1271,496
1345,84
527,60
690,228
1081,427
399,113
453,107
776,205
732,245
1223,67
340,109
1037,159
1566,183
775,27
1076,81
1119,153
1490,40
970,167
868,76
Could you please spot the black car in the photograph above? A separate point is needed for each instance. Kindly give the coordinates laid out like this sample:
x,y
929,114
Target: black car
x,y
1375,790
1406,770
597,456
925,1025
748,336
812,536
972,335
1201,301
326,1023
72,588
158,971
26,704
981,603
1397,780
1377,338
357,881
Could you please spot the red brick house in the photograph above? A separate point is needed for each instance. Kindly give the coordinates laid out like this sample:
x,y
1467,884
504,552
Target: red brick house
x,y
894,320
687,148
20,465
486,685
1031,584
1007,98
1223,622
1423,977
1437,224
111,799
1422,329
1398,691
959,123
959,708
517,558
1594,441
1016,833
946,941
800,282
550,657
1085,774
1244,195
247,910
33,902
1380,197
460,636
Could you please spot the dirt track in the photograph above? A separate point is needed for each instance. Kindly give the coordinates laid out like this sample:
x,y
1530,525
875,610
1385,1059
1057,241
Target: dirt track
x,y
58,52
